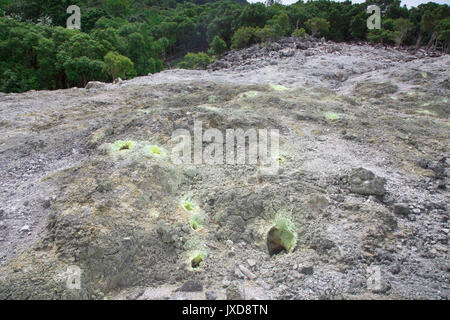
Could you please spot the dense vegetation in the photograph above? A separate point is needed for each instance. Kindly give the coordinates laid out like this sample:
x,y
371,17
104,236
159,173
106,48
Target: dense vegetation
x,y
123,38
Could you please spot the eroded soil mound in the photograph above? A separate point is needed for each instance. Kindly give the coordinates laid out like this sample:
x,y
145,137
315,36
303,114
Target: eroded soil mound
x,y
87,181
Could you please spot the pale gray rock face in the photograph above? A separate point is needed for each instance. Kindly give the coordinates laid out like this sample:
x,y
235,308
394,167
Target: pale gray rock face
x,y
362,184
95,85
365,182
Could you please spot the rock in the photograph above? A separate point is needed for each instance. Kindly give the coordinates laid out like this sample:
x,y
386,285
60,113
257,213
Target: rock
x,y
401,209
210,295
226,283
364,182
250,275
191,286
302,46
235,292
376,280
229,243
95,85
238,273
307,269
46,204
287,53
25,228
166,232
251,262
160,293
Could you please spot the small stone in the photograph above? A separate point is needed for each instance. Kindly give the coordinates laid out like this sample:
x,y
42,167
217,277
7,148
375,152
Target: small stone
x,y
251,262
226,283
401,209
365,182
234,292
210,295
25,228
46,204
250,275
192,286
307,269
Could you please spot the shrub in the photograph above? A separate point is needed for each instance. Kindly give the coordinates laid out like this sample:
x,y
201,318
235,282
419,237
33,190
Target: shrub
x,y
243,37
300,33
117,65
272,32
195,61
218,46
318,26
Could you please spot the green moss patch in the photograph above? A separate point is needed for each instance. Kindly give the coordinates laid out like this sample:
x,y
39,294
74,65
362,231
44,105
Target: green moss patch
x,y
278,87
332,116
197,259
196,221
282,237
122,146
155,151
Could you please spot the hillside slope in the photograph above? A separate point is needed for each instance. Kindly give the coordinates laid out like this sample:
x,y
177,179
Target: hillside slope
x,y
361,193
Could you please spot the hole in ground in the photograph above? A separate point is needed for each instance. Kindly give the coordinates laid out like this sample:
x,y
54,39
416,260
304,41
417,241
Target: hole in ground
x,y
125,146
278,241
196,261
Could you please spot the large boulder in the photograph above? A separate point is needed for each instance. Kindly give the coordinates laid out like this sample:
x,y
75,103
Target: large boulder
x,y
95,85
365,182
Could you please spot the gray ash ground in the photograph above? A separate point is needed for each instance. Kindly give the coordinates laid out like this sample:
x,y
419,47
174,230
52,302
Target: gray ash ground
x,y
363,181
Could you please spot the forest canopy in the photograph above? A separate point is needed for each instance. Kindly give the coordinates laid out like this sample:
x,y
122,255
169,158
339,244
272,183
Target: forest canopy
x,y
132,38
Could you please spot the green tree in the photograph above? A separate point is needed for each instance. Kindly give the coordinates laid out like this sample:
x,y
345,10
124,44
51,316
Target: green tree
x,y
243,37
358,26
218,46
117,8
117,65
253,15
444,33
195,61
401,28
80,70
301,33
318,26
284,23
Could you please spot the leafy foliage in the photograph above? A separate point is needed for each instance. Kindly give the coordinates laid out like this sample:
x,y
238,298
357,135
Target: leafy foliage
x,y
38,52
195,61
117,65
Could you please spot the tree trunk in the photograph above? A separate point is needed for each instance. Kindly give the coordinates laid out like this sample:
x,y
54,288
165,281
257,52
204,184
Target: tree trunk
x,y
436,41
430,43
419,41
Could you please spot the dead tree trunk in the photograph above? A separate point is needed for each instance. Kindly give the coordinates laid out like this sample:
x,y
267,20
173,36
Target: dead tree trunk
x,y
419,41
432,40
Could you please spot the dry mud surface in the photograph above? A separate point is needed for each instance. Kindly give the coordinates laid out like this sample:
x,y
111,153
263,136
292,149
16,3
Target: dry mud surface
x,y
362,189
